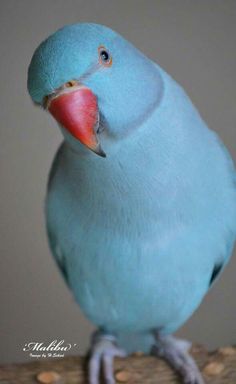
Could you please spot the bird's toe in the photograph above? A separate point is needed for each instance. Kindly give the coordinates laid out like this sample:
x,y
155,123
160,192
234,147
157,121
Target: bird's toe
x,y
103,352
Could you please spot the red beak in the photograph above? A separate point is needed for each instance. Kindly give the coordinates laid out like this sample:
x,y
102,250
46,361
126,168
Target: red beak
x,y
76,110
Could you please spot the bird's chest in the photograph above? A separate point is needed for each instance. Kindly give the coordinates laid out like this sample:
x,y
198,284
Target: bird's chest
x,y
104,230
107,219
107,201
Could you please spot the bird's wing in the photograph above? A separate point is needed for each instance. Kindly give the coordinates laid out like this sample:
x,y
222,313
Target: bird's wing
x,y
219,264
53,242
58,256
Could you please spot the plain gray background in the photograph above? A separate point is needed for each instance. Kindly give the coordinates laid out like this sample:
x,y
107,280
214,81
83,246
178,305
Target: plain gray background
x,y
192,40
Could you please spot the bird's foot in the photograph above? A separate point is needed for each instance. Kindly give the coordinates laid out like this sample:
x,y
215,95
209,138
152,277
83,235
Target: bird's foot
x,y
102,353
175,352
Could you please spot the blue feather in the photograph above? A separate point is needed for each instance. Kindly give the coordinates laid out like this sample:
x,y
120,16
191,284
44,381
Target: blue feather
x,y
141,232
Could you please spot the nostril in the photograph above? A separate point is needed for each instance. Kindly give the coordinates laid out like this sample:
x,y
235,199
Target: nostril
x,y
70,83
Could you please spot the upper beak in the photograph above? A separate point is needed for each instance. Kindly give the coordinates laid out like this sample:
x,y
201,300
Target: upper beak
x,y
76,109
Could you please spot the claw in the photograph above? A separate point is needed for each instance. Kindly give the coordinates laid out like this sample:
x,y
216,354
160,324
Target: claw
x,y
175,352
103,351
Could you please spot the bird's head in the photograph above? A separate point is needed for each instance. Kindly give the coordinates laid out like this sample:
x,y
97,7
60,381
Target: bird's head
x,y
90,78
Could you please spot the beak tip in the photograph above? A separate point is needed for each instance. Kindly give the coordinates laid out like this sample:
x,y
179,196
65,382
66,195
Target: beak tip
x,y
99,151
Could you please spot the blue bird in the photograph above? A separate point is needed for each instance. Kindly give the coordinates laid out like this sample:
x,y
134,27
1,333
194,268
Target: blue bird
x,y
141,231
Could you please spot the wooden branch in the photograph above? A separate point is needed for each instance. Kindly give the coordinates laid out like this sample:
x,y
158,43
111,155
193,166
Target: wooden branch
x,y
218,367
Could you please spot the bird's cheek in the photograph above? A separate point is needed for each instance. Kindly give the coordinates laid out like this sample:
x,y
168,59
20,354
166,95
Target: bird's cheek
x,y
77,111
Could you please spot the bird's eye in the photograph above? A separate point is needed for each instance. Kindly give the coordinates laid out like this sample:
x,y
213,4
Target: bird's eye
x,y
104,56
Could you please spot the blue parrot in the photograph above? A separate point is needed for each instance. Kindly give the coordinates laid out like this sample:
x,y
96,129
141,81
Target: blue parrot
x,y
141,199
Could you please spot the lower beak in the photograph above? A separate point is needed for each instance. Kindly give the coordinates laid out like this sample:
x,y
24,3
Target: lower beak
x,y
76,109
